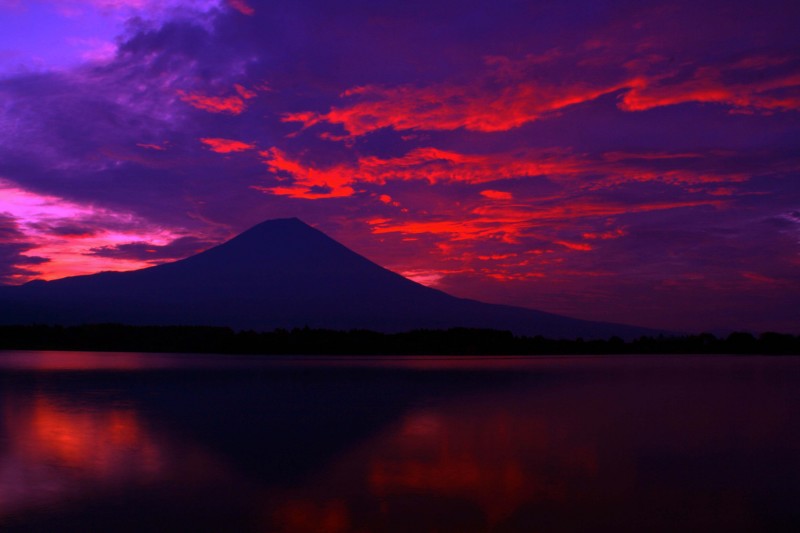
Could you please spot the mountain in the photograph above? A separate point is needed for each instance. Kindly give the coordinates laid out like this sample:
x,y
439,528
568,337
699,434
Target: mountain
x,y
280,273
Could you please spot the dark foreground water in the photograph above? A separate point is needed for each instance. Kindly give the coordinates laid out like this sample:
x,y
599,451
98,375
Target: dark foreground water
x,y
143,442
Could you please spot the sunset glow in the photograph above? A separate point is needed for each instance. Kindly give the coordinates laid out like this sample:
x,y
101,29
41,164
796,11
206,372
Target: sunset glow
x,y
623,162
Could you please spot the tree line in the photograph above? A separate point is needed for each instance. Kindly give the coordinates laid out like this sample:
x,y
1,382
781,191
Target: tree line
x,y
308,341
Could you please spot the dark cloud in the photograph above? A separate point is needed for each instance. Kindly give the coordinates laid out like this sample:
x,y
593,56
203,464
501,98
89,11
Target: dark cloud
x,y
144,251
67,229
13,244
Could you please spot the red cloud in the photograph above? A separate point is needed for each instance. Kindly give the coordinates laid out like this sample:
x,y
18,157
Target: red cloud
x,y
496,195
708,85
761,279
440,166
511,222
449,107
151,146
581,246
242,7
605,235
214,104
226,146
309,182
234,104
244,92
307,193
427,164
511,93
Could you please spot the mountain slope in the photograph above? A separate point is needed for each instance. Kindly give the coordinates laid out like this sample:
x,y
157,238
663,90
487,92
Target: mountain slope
x,y
280,273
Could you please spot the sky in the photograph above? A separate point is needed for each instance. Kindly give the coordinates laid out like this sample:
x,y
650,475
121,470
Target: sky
x,y
624,161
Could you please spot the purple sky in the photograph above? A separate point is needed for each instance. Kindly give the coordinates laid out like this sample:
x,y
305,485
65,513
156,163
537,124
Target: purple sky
x,y
624,161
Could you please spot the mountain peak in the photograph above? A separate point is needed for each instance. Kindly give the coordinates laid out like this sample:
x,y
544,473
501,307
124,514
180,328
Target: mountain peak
x,y
278,224
277,235
287,221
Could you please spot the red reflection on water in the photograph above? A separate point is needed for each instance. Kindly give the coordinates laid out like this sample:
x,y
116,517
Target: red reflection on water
x,y
102,444
299,516
616,451
52,360
54,448
495,459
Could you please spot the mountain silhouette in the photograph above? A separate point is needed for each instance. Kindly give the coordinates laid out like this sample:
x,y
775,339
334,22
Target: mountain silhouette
x,y
279,274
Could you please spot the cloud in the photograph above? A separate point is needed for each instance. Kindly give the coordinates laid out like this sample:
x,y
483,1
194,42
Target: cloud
x,y
509,223
66,229
226,146
432,165
48,237
242,7
581,246
234,105
15,265
130,8
479,107
151,146
512,92
152,253
747,85
497,195
117,135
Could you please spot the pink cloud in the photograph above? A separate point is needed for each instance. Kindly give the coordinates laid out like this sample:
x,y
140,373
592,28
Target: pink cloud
x,y
41,218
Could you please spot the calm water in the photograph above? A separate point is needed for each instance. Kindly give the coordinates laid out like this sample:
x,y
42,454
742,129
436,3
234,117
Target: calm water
x,y
144,442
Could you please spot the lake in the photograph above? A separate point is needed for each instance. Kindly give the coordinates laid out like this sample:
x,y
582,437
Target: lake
x,y
108,442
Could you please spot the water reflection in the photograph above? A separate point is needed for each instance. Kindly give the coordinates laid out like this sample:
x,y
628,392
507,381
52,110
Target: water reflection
x,y
302,516
487,461
654,453
441,469
54,450
302,447
61,454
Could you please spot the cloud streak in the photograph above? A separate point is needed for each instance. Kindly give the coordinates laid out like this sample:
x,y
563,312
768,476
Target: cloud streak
x,y
435,166
50,237
510,95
